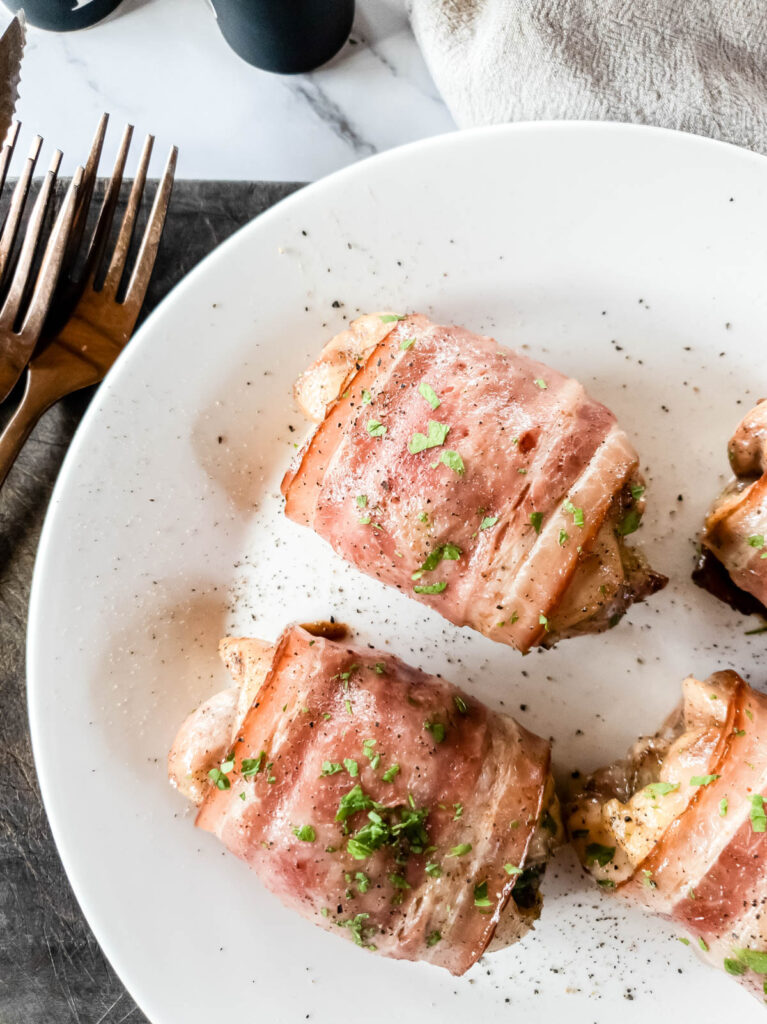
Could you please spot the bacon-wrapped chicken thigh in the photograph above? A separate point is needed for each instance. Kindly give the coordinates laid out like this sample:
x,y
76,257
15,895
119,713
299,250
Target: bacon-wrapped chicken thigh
x,y
378,801
680,826
733,564
485,484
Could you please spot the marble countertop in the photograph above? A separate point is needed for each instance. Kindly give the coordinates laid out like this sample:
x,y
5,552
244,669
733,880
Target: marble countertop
x,y
164,66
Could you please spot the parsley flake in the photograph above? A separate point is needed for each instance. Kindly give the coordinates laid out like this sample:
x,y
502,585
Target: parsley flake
x,y
460,850
435,436
596,853
541,383
757,814
433,938
406,343
375,428
753,959
367,398
576,513
433,588
723,804
512,869
536,518
487,522
734,966
305,833
352,767
330,768
252,765
390,318
703,780
656,789
543,621
564,537
362,500
629,523
427,392
453,461
637,491
220,779
481,898
355,800
433,869
460,703
390,773
436,729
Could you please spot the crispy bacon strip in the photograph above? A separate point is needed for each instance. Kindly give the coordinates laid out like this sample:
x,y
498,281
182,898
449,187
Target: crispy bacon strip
x,y
380,802
680,827
735,531
485,484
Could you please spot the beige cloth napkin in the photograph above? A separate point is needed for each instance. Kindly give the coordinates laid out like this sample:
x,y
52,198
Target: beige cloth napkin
x,y
698,65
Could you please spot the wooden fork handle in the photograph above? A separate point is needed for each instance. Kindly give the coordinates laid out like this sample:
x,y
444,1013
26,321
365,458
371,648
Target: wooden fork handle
x,y
32,406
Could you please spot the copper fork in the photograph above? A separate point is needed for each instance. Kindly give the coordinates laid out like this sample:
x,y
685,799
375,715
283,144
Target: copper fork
x,y
29,296
102,321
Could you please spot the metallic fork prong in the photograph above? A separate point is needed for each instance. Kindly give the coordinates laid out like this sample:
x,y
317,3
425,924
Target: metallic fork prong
x,y
150,243
12,304
85,195
106,213
16,209
52,261
125,236
7,151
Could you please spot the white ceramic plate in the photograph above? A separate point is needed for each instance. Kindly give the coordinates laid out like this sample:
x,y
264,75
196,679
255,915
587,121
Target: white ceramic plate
x,y
632,258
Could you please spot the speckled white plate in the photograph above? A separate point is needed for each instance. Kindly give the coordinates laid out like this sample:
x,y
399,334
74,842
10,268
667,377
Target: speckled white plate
x,y
632,258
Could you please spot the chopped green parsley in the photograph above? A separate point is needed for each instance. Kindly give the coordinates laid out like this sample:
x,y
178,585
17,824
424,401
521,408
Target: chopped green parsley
x,y
487,522
390,773
352,767
452,460
390,318
481,898
596,853
406,343
536,518
427,392
460,850
433,588
305,833
433,938
436,729
330,768
757,815
576,513
435,435
375,428
703,780
656,789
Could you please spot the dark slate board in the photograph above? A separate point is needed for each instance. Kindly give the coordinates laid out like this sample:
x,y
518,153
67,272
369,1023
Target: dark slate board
x,y
52,970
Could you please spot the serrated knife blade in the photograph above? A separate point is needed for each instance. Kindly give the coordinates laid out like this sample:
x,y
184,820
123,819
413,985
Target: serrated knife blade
x,y
12,44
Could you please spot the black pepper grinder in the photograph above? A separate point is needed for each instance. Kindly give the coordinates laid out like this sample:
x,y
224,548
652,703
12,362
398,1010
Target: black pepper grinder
x,y
63,15
286,36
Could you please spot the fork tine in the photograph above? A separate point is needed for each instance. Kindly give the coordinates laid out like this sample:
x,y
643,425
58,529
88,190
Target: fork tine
x,y
12,303
16,209
85,194
7,151
120,253
150,243
107,211
53,258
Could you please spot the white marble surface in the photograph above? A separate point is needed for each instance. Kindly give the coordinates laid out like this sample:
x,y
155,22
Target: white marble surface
x,y
164,66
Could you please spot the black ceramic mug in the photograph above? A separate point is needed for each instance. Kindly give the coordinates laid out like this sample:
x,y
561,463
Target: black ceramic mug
x,y
286,36
63,15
